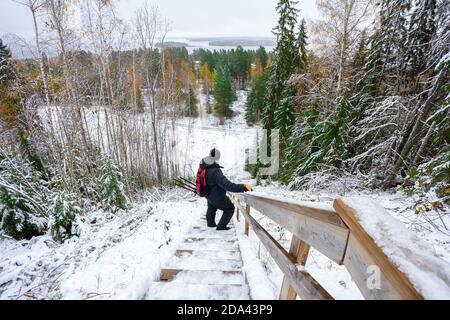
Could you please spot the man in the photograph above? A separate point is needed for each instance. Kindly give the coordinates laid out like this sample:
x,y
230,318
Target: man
x,y
218,185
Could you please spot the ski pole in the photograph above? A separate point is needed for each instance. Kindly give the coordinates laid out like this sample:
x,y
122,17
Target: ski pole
x,y
184,186
189,182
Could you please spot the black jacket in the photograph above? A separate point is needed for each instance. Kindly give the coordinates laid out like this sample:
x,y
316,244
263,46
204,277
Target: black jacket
x,y
217,183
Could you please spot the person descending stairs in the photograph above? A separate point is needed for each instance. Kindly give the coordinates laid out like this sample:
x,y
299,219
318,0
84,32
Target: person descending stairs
x,y
212,184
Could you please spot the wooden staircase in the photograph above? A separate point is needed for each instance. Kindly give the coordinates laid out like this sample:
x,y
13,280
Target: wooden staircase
x,y
207,265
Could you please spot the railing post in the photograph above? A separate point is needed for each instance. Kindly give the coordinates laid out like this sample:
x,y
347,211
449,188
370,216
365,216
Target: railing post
x,y
237,209
299,251
246,225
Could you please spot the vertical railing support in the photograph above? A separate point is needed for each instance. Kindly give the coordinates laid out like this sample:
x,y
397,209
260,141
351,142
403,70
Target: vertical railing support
x,y
299,251
246,225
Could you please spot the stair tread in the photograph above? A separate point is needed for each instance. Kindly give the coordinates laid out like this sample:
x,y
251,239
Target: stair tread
x,y
222,277
182,291
210,254
201,263
208,245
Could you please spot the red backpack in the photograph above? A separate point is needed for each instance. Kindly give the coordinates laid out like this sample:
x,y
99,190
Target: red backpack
x,y
201,186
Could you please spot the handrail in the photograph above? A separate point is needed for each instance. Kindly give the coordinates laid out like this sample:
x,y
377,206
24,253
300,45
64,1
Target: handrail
x,y
322,228
336,233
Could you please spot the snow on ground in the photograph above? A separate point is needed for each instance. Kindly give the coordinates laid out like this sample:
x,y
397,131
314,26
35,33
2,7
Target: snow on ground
x,y
116,256
119,256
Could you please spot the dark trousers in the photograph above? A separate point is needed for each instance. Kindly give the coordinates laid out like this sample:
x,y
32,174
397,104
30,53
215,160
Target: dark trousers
x,y
223,204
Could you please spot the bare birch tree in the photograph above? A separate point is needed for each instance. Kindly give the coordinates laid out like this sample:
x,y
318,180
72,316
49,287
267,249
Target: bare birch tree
x,y
337,33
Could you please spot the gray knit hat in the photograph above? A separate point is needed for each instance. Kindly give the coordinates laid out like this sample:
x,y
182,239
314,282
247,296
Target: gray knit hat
x,y
214,156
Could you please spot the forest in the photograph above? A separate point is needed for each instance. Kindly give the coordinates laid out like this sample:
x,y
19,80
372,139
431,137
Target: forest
x,y
360,95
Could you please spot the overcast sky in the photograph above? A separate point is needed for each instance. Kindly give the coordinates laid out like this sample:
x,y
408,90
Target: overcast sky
x,y
190,18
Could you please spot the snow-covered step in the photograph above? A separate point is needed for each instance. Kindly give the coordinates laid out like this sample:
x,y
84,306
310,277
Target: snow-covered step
x,y
204,228
188,262
182,291
204,238
213,244
210,254
203,277
212,235
206,265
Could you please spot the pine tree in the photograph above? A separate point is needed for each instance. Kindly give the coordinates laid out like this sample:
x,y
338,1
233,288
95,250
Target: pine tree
x,y
285,58
223,92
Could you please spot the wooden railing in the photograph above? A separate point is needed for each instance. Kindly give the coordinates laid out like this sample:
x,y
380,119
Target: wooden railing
x,y
336,233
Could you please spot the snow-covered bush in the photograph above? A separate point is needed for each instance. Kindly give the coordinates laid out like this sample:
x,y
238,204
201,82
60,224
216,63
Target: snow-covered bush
x,y
111,187
65,208
23,197
432,175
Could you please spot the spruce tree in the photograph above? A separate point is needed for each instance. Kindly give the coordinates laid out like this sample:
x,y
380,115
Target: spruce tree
x,y
23,197
329,145
421,30
301,45
223,92
111,187
64,209
389,43
285,58
299,142
262,56
284,115
192,102
256,99
7,71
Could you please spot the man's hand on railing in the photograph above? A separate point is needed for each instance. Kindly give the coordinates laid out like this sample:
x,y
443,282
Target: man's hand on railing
x,y
248,187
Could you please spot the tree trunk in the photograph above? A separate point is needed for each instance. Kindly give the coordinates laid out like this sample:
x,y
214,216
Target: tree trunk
x,y
41,58
414,136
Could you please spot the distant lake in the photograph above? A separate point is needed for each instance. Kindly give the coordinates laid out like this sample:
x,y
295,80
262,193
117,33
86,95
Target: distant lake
x,y
205,44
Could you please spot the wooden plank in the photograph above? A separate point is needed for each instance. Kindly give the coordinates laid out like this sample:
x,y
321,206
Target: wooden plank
x,y
302,281
327,216
322,229
179,253
363,255
170,274
299,251
246,225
